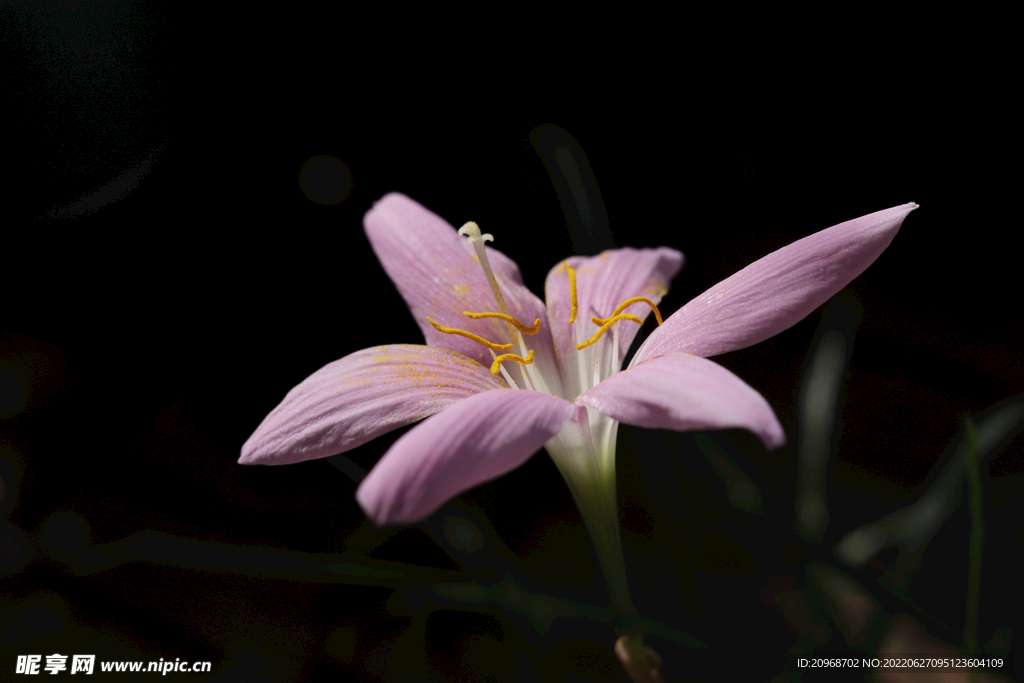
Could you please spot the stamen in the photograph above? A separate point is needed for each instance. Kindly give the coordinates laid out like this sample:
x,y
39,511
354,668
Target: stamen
x,y
504,372
606,326
507,318
629,302
572,293
496,365
470,335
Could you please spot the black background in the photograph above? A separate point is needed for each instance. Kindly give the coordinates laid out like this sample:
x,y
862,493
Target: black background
x,y
149,327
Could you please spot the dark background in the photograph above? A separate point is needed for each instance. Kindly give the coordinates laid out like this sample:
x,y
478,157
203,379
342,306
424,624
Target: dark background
x,y
167,281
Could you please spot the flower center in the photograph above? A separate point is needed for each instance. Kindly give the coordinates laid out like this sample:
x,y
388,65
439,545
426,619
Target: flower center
x,y
532,379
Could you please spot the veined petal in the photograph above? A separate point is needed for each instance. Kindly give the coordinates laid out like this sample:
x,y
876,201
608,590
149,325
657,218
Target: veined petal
x,y
776,292
435,271
350,401
602,283
683,392
472,442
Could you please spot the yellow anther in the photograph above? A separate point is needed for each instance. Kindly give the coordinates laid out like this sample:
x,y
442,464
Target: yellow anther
x,y
572,293
470,335
496,365
629,302
507,318
607,326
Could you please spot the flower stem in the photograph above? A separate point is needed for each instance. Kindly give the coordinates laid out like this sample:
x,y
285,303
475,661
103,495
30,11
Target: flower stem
x,y
974,499
596,498
600,513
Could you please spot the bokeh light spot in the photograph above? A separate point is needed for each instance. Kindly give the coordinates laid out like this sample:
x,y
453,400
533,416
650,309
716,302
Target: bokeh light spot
x,y
325,180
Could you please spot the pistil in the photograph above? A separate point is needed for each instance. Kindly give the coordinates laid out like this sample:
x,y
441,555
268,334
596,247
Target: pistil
x,y
533,380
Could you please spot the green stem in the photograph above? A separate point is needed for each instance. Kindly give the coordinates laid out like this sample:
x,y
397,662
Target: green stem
x,y
597,501
600,514
971,646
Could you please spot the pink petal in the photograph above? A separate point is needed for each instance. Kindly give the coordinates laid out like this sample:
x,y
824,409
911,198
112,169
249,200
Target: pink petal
x,y
602,283
350,401
435,271
472,442
777,291
684,392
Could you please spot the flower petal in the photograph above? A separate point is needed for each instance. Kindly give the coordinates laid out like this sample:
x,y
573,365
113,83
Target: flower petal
x,y
776,292
472,442
368,393
435,271
684,392
602,283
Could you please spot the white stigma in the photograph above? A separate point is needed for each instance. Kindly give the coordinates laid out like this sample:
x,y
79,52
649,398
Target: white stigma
x,y
472,230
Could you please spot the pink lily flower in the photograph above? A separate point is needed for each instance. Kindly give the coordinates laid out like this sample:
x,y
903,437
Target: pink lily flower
x,y
502,375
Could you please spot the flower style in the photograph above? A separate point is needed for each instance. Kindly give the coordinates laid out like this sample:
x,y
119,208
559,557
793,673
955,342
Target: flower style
x,y
502,374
